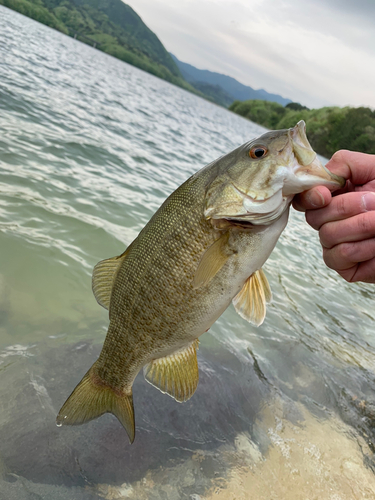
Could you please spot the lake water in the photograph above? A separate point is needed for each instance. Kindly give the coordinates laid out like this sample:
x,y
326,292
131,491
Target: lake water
x,y
89,149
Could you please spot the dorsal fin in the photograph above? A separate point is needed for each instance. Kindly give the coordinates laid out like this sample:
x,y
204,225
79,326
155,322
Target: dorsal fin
x,y
250,302
176,374
104,275
212,261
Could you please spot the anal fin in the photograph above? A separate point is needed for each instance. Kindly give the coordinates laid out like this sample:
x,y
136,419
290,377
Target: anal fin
x,y
250,302
176,374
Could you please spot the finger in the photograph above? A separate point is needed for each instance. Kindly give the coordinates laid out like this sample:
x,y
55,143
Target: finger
x,y
342,207
346,256
358,167
357,228
312,199
363,271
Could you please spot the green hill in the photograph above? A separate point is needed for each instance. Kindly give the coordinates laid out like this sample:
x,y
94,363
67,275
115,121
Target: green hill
x,y
133,33
110,26
213,93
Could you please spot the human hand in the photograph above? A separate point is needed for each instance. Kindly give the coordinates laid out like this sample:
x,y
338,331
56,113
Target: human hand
x,y
346,219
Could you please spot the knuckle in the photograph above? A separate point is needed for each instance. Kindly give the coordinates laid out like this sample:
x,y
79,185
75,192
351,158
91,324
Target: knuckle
x,y
325,236
365,224
341,206
346,251
311,219
329,260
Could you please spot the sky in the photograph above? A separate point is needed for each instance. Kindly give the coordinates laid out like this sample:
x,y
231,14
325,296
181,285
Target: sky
x,y
316,52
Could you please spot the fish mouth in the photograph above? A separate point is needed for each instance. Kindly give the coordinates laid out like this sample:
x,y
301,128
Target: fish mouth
x,y
308,171
318,172
259,211
240,222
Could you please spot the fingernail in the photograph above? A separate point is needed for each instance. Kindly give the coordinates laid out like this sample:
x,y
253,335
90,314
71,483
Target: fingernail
x,y
316,199
368,200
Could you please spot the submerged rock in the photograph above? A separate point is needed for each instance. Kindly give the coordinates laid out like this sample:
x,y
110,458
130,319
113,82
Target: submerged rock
x,y
236,436
36,380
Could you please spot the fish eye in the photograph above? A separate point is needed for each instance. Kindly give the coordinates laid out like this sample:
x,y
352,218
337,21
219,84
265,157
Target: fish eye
x,y
258,152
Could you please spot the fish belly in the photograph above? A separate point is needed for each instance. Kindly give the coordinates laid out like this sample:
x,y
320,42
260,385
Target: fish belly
x,y
252,252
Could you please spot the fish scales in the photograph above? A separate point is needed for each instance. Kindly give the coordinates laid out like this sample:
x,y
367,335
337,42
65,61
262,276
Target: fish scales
x,y
166,255
203,248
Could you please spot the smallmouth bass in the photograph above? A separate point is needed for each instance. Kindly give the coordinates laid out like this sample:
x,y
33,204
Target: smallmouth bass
x,y
204,248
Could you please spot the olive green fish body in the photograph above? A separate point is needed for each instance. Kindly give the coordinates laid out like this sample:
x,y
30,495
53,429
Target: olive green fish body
x,y
155,308
203,248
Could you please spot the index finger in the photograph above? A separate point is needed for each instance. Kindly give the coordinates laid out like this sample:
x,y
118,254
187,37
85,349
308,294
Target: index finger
x,y
342,207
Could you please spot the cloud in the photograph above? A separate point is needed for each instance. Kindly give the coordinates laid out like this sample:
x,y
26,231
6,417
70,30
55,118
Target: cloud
x,y
312,51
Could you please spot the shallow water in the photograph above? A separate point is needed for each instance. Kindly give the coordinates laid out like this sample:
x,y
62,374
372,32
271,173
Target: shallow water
x,y
89,149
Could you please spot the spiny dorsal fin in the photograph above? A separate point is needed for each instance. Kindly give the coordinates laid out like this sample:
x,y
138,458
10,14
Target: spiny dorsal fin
x,y
103,276
250,302
212,261
176,374
91,399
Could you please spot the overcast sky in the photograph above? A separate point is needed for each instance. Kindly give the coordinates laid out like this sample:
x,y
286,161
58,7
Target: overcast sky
x,y
317,52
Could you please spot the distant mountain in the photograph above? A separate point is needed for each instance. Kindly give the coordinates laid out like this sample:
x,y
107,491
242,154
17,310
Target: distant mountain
x,y
233,89
213,93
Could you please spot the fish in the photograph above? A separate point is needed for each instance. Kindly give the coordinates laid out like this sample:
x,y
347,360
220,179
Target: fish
x,y
204,248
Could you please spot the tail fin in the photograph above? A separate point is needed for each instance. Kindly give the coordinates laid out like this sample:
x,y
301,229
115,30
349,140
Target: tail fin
x,y
90,400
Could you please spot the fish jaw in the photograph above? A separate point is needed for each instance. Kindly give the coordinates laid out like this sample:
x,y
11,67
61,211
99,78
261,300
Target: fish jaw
x,y
306,170
308,176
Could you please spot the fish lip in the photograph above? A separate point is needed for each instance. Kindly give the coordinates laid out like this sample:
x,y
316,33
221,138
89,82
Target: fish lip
x,y
326,177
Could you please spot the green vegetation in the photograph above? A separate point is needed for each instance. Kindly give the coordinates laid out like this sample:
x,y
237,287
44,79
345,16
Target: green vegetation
x,y
111,26
265,113
296,106
328,129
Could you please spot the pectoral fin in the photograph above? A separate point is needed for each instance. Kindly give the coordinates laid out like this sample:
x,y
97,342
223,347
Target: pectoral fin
x,y
176,374
103,277
212,261
250,302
